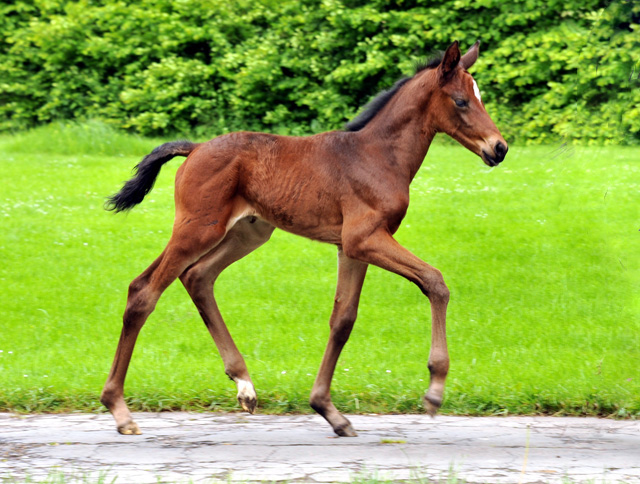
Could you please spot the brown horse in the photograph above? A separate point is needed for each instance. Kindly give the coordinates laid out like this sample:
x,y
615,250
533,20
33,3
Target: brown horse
x,y
348,188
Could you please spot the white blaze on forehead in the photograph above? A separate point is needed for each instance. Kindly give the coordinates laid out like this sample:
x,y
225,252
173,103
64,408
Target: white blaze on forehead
x,y
476,91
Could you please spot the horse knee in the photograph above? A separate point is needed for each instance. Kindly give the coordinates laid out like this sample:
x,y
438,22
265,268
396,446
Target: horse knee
x,y
440,292
433,286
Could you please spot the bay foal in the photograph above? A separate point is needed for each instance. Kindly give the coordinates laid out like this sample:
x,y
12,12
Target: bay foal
x,y
348,188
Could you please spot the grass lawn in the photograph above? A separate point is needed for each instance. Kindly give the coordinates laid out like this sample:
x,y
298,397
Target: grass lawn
x,y
542,256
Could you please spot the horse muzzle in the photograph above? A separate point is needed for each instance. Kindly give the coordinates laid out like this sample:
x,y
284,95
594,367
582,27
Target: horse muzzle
x,y
499,152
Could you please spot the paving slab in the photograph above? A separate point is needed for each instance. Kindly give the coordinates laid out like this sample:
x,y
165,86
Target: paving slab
x,y
210,447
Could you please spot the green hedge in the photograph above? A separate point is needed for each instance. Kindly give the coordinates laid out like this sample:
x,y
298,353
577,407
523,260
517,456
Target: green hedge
x,y
548,70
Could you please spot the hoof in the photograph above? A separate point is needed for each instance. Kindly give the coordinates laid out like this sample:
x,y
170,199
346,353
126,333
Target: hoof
x,y
345,431
247,397
431,404
130,428
248,403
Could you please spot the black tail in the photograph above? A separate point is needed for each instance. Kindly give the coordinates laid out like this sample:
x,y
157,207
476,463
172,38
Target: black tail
x,y
134,191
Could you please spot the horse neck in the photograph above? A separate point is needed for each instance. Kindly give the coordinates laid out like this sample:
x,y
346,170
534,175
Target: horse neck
x,y
403,130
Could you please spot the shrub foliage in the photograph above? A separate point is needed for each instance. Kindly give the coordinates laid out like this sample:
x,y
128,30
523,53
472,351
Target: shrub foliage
x,y
549,69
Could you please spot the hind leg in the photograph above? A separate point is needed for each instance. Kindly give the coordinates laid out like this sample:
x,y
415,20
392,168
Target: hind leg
x,y
246,235
182,251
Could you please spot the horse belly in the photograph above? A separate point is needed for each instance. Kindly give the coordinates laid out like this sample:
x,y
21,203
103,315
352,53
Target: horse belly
x,y
299,203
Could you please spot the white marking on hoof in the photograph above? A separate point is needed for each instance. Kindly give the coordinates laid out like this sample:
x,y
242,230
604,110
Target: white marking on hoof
x,y
476,90
246,395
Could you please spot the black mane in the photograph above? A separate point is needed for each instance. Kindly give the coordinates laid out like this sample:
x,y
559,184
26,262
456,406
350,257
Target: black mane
x,y
374,106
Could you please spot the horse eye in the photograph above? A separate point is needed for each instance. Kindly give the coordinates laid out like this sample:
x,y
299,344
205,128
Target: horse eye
x,y
461,103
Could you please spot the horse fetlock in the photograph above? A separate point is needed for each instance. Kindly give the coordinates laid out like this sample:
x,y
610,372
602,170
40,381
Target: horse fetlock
x,y
106,400
110,396
106,397
320,403
438,367
320,395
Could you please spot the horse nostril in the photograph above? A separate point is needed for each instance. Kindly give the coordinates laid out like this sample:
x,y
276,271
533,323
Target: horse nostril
x,y
500,150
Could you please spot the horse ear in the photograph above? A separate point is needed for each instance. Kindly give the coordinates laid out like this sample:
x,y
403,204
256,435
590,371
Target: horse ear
x,y
449,61
471,56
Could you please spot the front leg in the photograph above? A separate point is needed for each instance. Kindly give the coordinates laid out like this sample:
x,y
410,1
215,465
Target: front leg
x,y
382,250
351,276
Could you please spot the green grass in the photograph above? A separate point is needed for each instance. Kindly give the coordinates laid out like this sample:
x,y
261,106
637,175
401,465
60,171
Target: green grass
x,y
542,256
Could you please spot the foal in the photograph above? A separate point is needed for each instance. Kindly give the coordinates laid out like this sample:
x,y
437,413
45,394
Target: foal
x,y
348,188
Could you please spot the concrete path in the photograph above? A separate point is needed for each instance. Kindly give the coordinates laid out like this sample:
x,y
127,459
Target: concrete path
x,y
187,447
